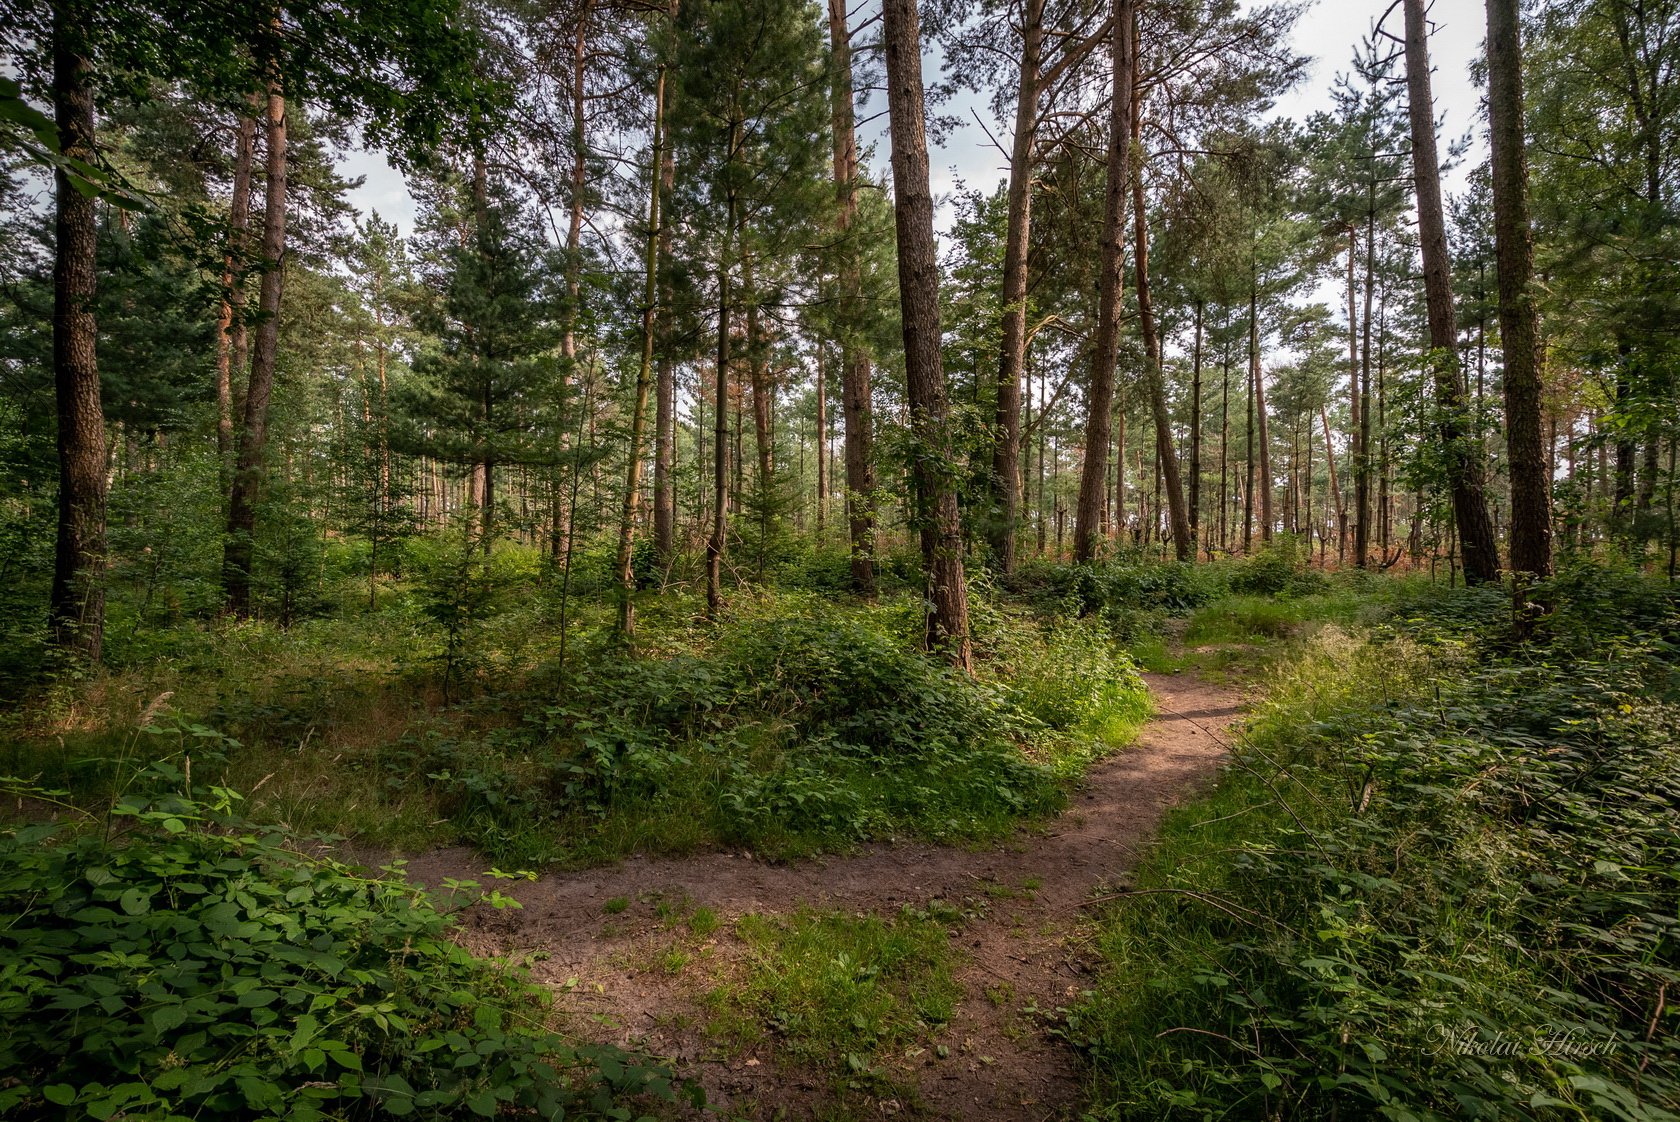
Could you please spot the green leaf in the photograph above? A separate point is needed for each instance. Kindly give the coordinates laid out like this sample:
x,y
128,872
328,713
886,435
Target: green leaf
x,y
60,1094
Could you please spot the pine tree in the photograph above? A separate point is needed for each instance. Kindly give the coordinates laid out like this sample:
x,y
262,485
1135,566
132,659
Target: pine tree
x,y
487,395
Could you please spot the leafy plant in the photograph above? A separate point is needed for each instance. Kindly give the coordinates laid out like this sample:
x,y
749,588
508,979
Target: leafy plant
x,y
180,962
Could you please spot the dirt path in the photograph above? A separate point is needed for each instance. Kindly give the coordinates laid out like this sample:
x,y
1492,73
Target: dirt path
x,y
1024,953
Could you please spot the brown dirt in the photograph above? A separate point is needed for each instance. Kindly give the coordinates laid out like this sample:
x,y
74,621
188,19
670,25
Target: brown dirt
x,y
1024,954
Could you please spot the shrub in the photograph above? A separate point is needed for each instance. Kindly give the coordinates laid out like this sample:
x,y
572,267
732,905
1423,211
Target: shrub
x,y
1119,589
793,732
1281,568
183,963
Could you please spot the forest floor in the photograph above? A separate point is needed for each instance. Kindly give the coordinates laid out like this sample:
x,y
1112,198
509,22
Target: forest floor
x,y
645,953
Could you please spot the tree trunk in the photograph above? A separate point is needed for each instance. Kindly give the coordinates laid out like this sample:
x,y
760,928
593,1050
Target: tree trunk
x,y
1464,466
665,408
758,375
1225,435
1330,464
1105,351
1362,455
918,285
1519,329
720,421
1006,430
822,442
1166,455
1258,378
1354,435
1196,430
563,514
76,614
855,393
253,434
644,374
233,291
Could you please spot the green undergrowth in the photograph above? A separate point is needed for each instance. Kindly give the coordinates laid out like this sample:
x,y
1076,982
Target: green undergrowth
x,y
798,725
839,992
1442,880
175,961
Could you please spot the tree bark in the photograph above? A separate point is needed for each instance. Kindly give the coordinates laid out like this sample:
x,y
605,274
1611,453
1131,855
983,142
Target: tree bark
x,y
248,473
822,442
233,291
1330,464
1196,431
1258,377
665,408
720,421
644,375
76,613
1105,351
855,393
1354,402
1006,429
1362,454
946,625
562,515
1166,455
1519,329
1464,466
758,376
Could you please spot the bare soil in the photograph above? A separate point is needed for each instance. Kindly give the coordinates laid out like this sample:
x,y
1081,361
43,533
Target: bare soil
x,y
637,977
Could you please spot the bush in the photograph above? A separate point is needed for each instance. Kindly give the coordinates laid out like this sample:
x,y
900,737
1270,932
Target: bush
x,y
1124,590
185,964
1281,568
792,732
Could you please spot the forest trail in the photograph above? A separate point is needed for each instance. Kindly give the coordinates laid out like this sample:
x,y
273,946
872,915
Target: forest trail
x,y
1021,951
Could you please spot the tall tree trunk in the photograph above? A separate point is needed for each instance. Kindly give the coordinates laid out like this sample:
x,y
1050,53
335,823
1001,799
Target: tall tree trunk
x,y
758,375
1519,329
822,441
1166,455
1006,429
1258,381
1105,352
720,421
253,434
644,374
562,515
1362,458
1196,429
1354,403
484,472
665,408
1330,463
76,613
856,404
1464,466
918,286
1225,434
1248,440
233,290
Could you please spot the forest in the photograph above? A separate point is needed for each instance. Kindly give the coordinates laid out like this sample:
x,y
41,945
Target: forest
x,y
955,559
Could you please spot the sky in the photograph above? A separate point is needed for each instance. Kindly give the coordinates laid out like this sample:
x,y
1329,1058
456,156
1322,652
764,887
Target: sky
x,y
1328,33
